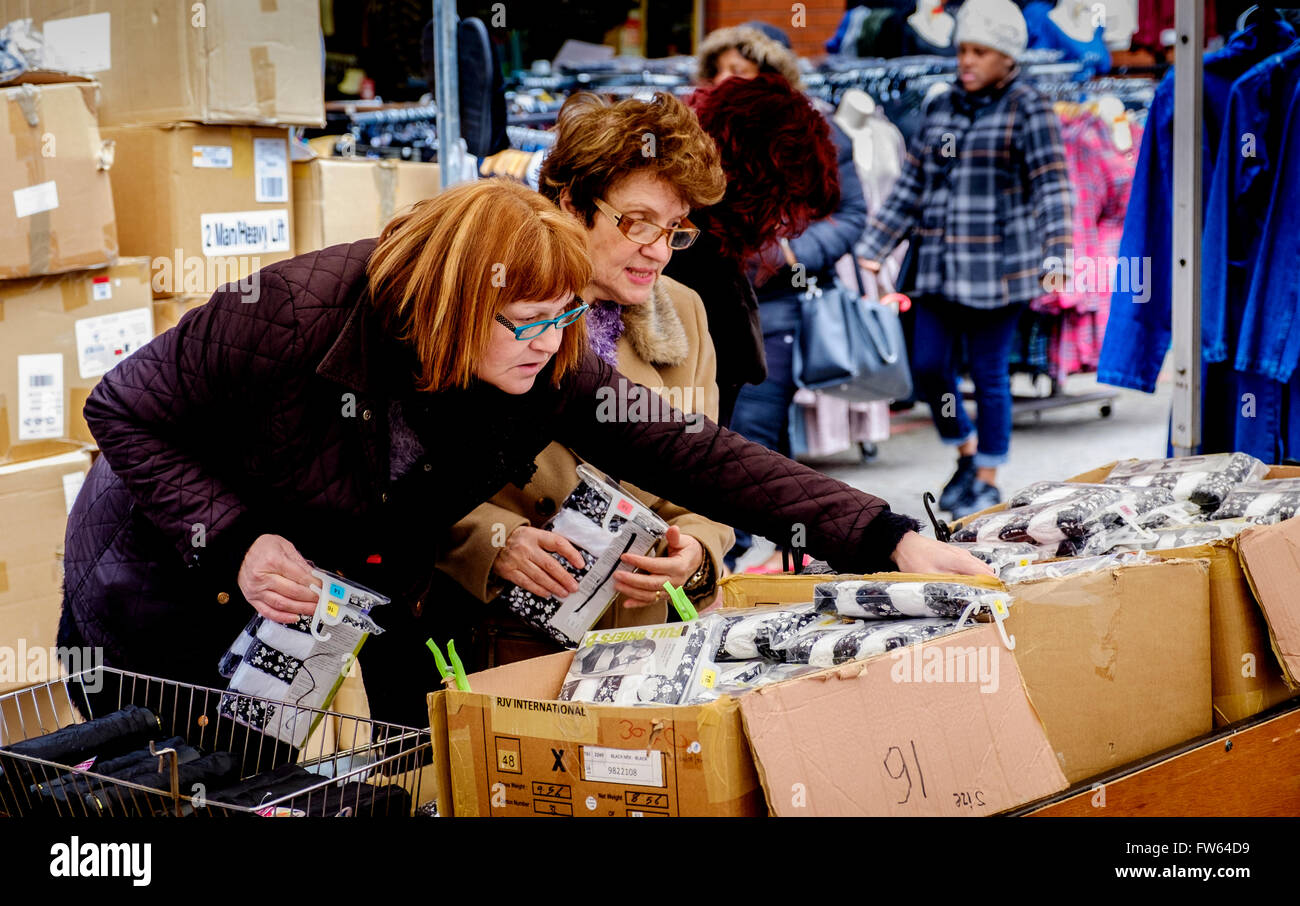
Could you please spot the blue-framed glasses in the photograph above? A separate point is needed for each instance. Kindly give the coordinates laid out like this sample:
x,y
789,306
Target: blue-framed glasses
x,y
537,328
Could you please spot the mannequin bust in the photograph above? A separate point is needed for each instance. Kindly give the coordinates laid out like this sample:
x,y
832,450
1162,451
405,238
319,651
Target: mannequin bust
x,y
1075,18
932,23
1111,110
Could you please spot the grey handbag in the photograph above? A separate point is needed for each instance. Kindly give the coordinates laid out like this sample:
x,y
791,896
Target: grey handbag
x,y
850,346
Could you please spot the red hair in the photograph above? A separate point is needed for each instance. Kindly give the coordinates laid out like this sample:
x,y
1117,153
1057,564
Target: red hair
x,y
782,168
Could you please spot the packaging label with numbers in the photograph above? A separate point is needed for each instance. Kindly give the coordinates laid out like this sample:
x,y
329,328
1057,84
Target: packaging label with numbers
x,y
245,232
271,170
625,766
40,396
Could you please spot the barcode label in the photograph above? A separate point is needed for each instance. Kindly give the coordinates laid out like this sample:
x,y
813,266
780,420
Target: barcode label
x,y
273,187
40,396
271,169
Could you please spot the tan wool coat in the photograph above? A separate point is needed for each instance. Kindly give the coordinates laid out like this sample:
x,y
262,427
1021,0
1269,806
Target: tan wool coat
x,y
665,346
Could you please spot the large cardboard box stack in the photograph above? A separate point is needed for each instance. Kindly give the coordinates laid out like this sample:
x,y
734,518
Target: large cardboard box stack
x,y
54,180
35,497
195,98
58,336
167,62
208,205
342,200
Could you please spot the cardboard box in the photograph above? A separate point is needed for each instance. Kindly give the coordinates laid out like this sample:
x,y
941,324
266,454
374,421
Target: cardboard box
x,y
167,313
509,749
35,497
342,200
209,205
54,183
164,62
887,736
1245,675
58,335
1115,663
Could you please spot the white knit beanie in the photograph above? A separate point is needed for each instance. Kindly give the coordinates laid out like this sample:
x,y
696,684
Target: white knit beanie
x,y
998,24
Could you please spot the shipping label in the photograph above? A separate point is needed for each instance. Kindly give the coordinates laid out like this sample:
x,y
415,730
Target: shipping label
x,y
245,232
634,767
40,396
271,169
80,44
212,156
44,196
104,340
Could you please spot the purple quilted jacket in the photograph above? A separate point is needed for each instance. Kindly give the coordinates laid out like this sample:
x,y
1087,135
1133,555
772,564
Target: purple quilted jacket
x,y
272,417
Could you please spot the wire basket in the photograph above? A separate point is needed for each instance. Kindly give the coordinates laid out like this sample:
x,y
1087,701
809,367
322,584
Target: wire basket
x,y
355,761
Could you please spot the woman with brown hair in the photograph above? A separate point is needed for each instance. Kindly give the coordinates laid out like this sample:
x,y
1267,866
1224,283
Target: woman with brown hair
x,y
630,172
371,396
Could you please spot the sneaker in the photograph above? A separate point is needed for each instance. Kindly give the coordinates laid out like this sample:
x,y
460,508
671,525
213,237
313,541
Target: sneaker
x,y
959,485
981,496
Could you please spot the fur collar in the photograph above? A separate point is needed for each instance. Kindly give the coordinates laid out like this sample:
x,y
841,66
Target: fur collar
x,y
654,329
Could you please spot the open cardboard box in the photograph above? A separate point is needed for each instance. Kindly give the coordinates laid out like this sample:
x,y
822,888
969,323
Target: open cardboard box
x,y
872,737
1115,663
508,748
1248,672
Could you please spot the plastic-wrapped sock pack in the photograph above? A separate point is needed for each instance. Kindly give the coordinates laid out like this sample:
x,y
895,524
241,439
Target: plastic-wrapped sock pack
x,y
750,635
1261,501
1004,554
826,646
292,664
604,522
1204,480
884,600
1089,521
641,665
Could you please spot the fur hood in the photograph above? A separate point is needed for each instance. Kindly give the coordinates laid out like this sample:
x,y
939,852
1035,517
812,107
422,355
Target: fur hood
x,y
754,46
654,328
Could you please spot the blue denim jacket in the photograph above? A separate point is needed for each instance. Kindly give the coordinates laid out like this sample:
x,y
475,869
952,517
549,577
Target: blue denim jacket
x,y
1138,332
1239,208
1270,330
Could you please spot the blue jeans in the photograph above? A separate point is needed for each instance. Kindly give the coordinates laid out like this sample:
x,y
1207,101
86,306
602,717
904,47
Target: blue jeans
x,y
941,328
763,410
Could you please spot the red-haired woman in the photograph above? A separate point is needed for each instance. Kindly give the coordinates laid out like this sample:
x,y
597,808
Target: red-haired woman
x,y
781,177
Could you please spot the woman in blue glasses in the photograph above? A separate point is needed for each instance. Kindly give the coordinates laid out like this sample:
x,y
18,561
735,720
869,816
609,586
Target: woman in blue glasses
x,y
630,173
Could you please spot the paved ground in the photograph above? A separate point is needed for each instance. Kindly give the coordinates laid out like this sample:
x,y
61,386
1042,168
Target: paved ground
x,y
1065,442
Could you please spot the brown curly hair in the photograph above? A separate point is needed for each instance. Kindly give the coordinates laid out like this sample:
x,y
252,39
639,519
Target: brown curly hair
x,y
598,143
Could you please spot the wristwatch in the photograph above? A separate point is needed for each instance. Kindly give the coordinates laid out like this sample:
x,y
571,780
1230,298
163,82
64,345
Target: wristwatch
x,y
703,577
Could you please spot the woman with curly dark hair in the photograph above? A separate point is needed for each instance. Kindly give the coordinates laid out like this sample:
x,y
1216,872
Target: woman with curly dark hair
x,y
781,176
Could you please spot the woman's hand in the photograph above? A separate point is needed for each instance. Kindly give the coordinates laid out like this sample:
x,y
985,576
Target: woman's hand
x,y
919,554
526,561
873,266
677,565
277,580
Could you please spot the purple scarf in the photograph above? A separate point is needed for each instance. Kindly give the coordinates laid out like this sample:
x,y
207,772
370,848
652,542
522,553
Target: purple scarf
x,y
604,327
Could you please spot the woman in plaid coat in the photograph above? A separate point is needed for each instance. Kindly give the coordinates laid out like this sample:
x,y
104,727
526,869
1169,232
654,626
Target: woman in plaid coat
x,y
985,198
